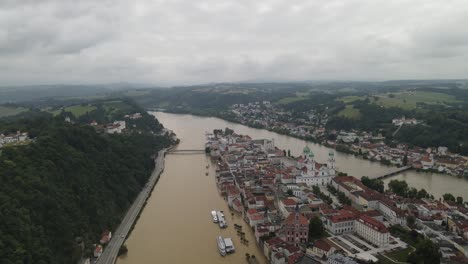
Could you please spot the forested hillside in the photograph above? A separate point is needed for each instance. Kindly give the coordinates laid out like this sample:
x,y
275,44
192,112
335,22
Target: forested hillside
x,y
66,187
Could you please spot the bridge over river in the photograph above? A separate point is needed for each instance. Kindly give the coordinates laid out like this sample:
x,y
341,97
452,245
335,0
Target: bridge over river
x,y
187,151
391,173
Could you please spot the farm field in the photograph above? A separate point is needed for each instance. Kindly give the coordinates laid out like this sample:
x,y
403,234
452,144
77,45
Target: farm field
x,y
288,100
350,112
76,110
10,111
405,100
409,100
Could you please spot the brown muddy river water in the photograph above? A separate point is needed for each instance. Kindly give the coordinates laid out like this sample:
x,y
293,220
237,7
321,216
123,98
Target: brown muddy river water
x,y
176,225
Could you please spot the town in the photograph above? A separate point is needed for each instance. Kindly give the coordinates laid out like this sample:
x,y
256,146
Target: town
x,y
311,126
305,211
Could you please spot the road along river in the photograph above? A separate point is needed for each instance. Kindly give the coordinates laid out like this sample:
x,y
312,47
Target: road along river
x,y
176,226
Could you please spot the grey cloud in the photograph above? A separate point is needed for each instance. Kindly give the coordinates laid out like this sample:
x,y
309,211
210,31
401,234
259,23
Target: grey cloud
x,y
184,42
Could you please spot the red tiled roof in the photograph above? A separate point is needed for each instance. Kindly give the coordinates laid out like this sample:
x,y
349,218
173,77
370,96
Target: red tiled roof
x,y
426,159
256,217
289,202
295,257
274,241
322,245
373,213
291,220
343,216
375,224
291,248
252,211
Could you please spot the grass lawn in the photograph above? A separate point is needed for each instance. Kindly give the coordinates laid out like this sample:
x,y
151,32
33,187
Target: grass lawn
x,y
76,110
401,255
350,112
384,260
351,98
79,110
409,100
288,100
114,106
10,111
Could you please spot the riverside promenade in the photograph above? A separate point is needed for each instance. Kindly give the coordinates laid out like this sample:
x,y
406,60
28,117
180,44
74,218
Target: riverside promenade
x,y
109,255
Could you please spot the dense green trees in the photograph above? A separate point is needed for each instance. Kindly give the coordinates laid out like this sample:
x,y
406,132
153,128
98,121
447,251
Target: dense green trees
x,y
426,253
448,197
398,187
71,183
375,184
316,229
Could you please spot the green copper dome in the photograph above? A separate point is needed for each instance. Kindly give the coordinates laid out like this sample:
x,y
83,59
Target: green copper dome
x,y
306,150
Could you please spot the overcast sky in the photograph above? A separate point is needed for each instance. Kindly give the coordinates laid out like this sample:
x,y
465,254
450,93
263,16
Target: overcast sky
x,y
186,42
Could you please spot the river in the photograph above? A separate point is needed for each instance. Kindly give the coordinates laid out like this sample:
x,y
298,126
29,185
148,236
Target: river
x,y
176,226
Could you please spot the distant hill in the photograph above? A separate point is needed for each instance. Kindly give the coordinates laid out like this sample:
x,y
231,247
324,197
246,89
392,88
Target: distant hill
x,y
14,94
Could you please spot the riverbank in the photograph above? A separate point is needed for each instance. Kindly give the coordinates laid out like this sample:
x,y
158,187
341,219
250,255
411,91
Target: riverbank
x,y
342,148
434,183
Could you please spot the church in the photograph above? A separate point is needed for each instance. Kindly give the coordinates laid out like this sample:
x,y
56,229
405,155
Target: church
x,y
314,173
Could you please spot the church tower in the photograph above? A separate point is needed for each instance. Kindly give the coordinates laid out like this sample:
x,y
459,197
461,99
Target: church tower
x,y
309,160
331,164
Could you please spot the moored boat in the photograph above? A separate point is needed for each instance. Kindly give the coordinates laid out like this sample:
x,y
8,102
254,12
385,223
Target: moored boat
x,y
221,246
229,245
221,220
214,215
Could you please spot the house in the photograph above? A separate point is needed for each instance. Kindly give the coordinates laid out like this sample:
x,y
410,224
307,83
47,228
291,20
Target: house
x,y
296,228
286,205
105,237
254,217
342,222
322,247
115,128
278,258
427,162
237,205
270,246
98,251
390,212
338,258
372,230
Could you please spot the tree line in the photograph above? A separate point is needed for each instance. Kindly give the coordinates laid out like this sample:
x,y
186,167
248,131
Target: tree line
x,y
60,192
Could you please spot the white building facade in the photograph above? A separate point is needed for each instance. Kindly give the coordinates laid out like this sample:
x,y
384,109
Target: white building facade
x,y
314,173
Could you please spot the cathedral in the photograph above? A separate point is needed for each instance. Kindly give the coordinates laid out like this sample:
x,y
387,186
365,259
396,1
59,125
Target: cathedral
x,y
314,173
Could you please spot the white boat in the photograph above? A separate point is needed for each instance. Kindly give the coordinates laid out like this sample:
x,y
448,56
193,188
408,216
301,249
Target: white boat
x,y
221,246
221,220
229,245
214,215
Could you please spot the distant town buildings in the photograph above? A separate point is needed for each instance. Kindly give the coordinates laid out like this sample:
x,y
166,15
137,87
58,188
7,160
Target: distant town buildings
x,y
311,125
405,121
115,128
12,139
